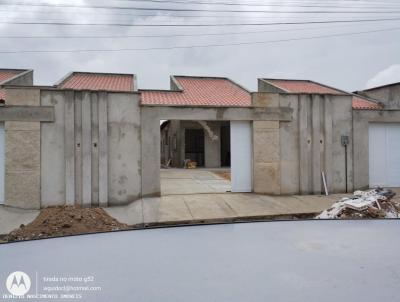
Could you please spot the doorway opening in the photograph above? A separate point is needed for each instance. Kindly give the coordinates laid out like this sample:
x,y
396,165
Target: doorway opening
x,y
195,157
206,157
194,146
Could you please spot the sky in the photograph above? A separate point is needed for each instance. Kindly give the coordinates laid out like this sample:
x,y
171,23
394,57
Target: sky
x,y
350,62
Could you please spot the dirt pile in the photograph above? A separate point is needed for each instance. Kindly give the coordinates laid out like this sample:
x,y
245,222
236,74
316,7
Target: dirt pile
x,y
376,203
66,220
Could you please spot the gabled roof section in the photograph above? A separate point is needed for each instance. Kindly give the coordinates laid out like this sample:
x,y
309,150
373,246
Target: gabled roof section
x,y
311,87
303,86
379,87
6,75
99,82
199,91
360,102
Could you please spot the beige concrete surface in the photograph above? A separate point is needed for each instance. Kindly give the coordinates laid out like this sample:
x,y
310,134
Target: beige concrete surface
x,y
12,218
198,208
194,208
193,181
22,147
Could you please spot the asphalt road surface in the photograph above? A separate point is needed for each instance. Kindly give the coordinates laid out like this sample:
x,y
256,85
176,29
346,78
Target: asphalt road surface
x,y
264,261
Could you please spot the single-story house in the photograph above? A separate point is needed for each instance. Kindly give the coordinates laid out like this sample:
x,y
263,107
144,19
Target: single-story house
x,y
94,139
205,142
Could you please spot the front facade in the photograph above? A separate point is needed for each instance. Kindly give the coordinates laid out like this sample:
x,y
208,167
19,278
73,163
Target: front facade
x,y
95,140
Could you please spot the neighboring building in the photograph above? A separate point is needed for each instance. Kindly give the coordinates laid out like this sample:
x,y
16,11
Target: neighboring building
x,y
389,95
16,77
377,138
95,139
205,142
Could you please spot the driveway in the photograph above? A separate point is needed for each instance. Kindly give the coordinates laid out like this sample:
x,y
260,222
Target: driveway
x,y
193,181
12,218
268,261
200,208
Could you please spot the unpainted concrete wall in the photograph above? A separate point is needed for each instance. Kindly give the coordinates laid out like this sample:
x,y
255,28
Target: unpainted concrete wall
x,y
22,142
91,155
263,86
172,143
289,159
389,95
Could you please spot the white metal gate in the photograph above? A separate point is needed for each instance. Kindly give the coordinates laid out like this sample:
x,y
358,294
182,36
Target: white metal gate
x,y
241,156
384,154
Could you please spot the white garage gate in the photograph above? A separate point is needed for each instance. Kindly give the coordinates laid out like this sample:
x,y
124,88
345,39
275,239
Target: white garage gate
x,y
241,156
384,154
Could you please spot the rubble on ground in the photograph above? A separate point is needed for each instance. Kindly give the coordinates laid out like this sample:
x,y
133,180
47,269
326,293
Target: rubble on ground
x,y
376,203
65,220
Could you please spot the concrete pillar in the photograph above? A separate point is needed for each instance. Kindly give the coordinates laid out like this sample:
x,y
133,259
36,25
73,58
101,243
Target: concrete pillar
x,y
151,185
212,148
266,148
316,145
22,142
266,159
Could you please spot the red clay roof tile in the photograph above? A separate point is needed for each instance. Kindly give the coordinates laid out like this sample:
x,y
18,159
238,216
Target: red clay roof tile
x,y
8,74
98,81
200,91
4,76
361,103
302,86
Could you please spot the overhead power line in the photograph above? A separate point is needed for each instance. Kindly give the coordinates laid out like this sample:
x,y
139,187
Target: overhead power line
x,y
166,36
195,46
196,25
193,9
166,14
282,4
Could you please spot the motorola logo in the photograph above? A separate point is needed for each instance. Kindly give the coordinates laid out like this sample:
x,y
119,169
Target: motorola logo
x,y
18,283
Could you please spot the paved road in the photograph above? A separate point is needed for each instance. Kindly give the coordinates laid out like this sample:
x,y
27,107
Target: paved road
x,y
266,261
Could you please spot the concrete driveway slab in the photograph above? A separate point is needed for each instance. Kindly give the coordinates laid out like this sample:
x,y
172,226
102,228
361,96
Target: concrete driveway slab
x,y
192,181
196,208
295,205
252,205
130,214
320,203
165,209
208,206
12,218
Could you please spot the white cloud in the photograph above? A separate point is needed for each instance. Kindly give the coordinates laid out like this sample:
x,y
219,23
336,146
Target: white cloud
x,y
386,76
